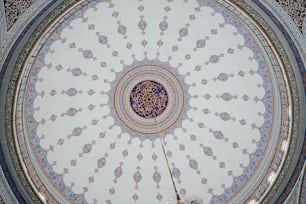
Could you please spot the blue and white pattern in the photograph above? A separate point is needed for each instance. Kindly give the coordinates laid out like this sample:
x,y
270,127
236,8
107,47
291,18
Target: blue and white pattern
x,y
222,84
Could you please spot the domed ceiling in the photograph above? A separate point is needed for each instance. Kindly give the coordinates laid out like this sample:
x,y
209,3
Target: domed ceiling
x,y
153,102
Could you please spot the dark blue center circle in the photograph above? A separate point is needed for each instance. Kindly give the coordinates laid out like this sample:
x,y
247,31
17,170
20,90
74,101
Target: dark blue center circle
x,y
148,99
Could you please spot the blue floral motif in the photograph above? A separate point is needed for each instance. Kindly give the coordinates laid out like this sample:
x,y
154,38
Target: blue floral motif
x,y
256,156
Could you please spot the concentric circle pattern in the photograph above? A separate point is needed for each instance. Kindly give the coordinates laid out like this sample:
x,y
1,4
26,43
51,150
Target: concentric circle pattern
x,y
164,115
119,93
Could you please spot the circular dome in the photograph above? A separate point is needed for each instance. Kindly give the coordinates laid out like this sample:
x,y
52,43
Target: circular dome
x,y
152,100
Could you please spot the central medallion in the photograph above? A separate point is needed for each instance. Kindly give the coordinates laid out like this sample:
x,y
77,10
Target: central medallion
x,y
149,99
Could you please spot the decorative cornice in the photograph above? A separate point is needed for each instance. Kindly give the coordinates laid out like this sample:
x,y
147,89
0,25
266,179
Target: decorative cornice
x,y
291,28
16,66
298,133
